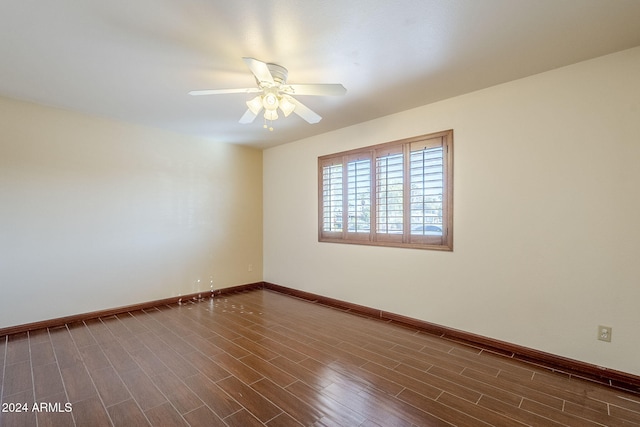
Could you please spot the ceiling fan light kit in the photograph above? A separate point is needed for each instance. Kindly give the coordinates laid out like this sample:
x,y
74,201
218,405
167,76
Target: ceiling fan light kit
x,y
255,105
286,106
274,93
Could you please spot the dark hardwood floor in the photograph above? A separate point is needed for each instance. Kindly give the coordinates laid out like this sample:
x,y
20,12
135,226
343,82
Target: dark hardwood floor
x,y
261,358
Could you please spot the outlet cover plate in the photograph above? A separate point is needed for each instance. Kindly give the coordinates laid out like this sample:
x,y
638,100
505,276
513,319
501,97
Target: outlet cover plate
x,y
604,333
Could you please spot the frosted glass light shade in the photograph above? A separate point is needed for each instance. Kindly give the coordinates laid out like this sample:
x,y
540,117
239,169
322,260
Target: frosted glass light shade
x,y
255,105
271,115
287,106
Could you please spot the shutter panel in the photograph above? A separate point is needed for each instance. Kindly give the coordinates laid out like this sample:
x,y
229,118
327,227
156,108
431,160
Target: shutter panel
x,y
389,194
359,195
426,187
332,218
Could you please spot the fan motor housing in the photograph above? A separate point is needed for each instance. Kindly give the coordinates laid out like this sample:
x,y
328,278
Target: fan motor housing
x,y
279,73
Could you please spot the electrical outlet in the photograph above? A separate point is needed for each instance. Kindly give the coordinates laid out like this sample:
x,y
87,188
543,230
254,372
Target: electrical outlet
x,y
250,267
604,333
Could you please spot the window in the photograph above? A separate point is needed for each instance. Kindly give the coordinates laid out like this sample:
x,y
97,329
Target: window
x,y
394,194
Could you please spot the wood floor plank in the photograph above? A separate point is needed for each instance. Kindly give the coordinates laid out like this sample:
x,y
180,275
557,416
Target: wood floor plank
x,y
471,394
15,419
405,381
116,327
313,376
243,419
595,416
143,390
204,346
120,359
514,412
282,349
255,403
3,348
207,366
435,358
63,346
110,387
148,361
431,411
331,408
204,417
289,403
128,414
373,409
569,389
39,336
416,361
369,355
78,383
236,367
132,323
283,420
503,389
176,342
263,358
180,396
19,417
53,413
335,372
17,378
499,362
173,361
165,415
228,346
17,348
42,353
555,415
625,414
47,381
93,357
91,412
268,370
256,348
100,333
478,412
212,395
341,355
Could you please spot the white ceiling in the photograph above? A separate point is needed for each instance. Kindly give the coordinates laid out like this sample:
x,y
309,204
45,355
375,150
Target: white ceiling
x,y
136,60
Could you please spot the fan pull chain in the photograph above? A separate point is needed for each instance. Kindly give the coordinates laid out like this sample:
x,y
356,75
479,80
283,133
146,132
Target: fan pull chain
x,y
269,127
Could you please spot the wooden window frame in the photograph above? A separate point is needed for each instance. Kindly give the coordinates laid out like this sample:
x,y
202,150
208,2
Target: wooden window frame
x,y
403,238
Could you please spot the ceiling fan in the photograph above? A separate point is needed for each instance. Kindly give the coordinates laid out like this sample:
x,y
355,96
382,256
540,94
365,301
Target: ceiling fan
x,y
274,93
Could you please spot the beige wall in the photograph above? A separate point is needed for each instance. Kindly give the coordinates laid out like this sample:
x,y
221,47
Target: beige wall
x,y
97,214
546,242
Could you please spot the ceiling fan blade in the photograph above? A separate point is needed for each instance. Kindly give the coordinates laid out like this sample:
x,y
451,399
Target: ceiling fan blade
x,y
304,111
223,91
316,89
259,69
248,117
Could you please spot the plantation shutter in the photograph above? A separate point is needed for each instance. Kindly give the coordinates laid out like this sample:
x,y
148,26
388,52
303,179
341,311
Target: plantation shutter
x,y
426,180
359,195
332,198
389,194
398,193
